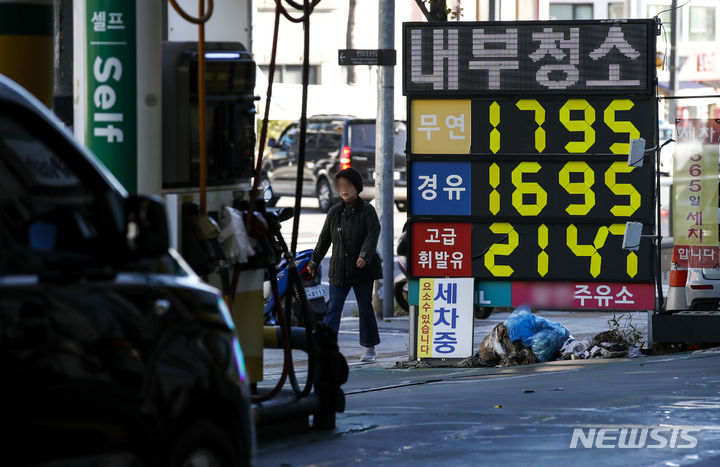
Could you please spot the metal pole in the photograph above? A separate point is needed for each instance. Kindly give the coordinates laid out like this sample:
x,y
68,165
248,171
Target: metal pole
x,y
673,85
202,137
302,135
385,154
63,99
149,95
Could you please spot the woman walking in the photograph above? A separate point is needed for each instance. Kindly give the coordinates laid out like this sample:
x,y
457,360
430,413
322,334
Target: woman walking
x,y
352,227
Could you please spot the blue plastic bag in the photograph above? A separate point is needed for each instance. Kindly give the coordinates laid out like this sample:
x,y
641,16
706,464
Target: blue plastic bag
x,y
521,325
544,337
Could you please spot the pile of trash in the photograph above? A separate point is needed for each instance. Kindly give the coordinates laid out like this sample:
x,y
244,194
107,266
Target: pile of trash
x,y
525,338
607,344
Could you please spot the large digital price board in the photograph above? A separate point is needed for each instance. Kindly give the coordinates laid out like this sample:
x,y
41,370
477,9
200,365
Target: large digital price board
x,y
570,191
545,125
515,251
525,57
518,144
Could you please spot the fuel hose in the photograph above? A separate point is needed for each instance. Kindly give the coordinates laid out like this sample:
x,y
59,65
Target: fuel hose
x,y
203,17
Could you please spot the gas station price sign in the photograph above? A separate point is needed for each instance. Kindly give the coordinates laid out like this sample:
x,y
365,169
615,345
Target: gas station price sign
x,y
529,57
517,149
539,125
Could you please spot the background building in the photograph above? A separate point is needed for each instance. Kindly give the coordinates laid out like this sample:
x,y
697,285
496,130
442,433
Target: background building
x,y
338,89
333,89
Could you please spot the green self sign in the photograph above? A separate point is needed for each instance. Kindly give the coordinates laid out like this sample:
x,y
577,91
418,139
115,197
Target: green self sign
x,y
110,128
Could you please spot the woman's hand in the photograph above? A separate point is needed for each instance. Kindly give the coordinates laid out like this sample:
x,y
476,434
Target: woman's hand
x,y
361,263
312,267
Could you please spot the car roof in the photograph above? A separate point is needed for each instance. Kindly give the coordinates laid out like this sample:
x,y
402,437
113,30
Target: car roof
x,y
331,117
347,118
14,94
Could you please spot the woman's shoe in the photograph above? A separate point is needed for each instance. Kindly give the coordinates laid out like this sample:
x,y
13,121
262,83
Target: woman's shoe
x,y
369,356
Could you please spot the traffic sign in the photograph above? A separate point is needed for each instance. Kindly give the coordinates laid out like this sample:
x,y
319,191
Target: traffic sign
x,y
383,57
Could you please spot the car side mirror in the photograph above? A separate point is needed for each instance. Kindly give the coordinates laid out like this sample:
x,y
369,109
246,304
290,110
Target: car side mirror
x,y
272,143
268,194
146,228
285,214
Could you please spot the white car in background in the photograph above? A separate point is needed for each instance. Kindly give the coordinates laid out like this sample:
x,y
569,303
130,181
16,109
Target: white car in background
x,y
702,288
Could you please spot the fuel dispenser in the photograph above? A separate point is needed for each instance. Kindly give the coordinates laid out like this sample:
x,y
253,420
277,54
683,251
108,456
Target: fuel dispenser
x,y
230,140
152,146
229,120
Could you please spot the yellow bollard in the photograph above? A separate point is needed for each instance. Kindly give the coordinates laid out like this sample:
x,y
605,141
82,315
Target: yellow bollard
x,y
247,314
26,45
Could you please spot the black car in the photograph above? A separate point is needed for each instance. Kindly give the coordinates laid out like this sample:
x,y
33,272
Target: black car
x,y
333,143
112,351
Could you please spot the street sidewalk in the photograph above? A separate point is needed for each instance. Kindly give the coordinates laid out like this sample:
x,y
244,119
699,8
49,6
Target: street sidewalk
x,y
394,338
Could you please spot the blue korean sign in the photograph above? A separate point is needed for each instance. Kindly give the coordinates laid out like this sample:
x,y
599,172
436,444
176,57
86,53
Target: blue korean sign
x,y
440,188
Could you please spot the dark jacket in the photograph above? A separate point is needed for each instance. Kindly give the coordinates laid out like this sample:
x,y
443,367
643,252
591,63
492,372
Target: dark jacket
x,y
352,236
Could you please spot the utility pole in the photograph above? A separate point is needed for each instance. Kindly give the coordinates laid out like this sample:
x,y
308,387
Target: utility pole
x,y
673,85
385,153
350,40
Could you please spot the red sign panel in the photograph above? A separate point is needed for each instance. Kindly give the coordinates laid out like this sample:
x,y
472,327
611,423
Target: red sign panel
x,y
441,249
696,256
591,295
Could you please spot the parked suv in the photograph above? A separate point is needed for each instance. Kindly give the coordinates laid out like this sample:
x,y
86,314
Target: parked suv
x,y
112,351
333,143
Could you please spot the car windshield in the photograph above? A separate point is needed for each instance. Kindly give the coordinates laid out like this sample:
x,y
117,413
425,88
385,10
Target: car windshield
x,y
49,219
362,135
287,138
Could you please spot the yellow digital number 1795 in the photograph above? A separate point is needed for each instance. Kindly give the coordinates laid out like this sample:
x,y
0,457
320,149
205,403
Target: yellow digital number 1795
x,y
584,126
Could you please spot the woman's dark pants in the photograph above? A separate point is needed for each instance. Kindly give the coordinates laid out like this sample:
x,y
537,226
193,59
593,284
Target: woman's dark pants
x,y
363,293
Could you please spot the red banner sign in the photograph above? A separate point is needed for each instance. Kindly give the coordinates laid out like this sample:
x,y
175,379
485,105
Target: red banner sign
x,y
686,256
441,249
592,295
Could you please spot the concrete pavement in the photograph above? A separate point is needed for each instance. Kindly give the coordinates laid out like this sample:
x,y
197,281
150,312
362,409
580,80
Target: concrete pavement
x,y
523,416
510,416
394,337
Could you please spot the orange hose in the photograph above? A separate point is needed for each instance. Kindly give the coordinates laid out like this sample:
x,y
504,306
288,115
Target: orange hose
x,y
202,18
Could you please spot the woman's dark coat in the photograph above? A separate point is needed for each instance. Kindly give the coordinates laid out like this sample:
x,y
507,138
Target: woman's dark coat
x,y
353,235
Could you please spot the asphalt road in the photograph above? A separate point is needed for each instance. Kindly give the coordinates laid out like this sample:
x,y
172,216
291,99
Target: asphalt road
x,y
522,416
509,416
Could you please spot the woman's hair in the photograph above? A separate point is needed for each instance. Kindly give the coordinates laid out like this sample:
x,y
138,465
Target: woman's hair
x,y
352,176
